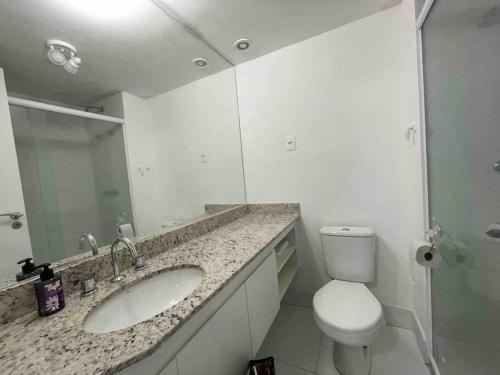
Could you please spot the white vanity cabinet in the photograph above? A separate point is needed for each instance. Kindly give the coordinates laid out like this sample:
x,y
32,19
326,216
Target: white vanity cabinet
x,y
234,334
228,331
222,346
263,301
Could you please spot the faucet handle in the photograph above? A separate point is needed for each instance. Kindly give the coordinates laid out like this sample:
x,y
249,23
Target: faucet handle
x,y
140,262
88,284
117,278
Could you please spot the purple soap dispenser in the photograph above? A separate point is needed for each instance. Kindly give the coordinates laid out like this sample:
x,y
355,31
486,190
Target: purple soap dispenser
x,y
49,291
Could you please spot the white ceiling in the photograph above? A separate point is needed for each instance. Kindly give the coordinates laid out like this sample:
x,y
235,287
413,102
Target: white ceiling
x,y
139,49
269,24
143,52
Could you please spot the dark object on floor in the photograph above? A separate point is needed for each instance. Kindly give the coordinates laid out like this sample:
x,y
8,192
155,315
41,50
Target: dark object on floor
x,y
263,366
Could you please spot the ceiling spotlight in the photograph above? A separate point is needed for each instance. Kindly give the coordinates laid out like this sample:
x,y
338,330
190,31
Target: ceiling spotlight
x,y
242,44
200,62
63,53
55,56
73,64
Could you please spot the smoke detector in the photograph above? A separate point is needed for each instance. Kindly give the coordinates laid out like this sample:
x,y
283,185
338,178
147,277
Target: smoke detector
x,y
63,54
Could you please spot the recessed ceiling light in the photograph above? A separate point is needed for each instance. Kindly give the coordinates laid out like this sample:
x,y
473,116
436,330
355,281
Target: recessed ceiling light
x,y
242,44
200,62
107,10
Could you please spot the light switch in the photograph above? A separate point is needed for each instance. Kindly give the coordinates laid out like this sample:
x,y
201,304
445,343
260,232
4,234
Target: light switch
x,y
290,143
203,157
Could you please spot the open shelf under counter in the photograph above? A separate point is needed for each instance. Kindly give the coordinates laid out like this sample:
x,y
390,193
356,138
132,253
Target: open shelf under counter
x,y
286,261
285,278
284,255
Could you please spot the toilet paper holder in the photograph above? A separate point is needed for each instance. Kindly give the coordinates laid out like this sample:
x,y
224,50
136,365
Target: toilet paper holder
x,y
427,255
434,234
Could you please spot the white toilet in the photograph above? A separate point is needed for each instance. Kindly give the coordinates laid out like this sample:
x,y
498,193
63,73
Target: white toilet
x,y
344,309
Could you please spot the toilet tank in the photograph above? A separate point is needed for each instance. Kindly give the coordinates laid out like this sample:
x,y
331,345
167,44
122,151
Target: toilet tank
x,y
349,253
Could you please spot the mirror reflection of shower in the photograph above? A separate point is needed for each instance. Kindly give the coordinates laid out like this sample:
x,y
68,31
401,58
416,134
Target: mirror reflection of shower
x,y
74,179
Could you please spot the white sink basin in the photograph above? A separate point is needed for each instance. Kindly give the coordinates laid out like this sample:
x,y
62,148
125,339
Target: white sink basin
x,y
143,300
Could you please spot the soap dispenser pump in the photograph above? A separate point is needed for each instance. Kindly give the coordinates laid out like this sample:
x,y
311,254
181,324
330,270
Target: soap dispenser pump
x,y
28,269
49,291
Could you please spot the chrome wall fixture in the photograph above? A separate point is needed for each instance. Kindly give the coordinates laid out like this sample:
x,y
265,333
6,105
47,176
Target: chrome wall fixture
x,y
64,54
14,216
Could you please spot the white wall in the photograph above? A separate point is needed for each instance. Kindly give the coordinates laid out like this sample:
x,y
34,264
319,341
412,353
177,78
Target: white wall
x,y
142,150
15,243
165,137
419,4
200,117
112,105
348,95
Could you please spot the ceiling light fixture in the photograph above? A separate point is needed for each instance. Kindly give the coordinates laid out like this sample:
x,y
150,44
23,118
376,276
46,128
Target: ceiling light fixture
x,y
106,10
63,53
200,62
242,44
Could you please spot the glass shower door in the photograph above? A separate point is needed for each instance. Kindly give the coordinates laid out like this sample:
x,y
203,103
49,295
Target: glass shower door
x,y
74,178
461,40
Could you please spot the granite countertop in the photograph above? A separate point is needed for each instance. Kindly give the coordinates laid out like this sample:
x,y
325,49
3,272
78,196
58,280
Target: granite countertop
x,y
58,344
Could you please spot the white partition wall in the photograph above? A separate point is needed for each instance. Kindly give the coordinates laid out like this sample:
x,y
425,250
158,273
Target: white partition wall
x,y
15,243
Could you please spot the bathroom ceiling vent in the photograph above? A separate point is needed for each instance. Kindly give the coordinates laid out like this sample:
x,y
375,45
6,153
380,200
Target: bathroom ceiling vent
x,y
64,54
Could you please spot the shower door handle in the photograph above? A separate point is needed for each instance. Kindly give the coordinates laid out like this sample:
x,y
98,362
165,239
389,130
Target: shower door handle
x,y
13,215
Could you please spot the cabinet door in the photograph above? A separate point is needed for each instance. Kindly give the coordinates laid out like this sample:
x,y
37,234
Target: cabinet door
x,y
263,300
171,368
222,346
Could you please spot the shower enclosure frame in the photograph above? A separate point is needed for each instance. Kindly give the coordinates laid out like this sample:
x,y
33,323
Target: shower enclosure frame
x,y
420,20
79,113
64,110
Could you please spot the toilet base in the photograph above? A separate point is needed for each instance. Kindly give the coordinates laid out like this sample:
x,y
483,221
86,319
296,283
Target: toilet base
x,y
352,360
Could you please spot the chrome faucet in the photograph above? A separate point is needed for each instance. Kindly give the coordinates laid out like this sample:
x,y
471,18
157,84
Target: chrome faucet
x,y
138,260
90,238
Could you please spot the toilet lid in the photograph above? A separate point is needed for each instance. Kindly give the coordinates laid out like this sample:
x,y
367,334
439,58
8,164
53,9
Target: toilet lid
x,y
348,306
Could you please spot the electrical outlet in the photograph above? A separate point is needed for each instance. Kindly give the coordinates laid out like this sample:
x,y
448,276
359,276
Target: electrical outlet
x,y
290,143
203,157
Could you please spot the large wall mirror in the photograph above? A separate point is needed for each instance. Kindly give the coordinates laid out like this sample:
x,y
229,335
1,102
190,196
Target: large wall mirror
x,y
108,124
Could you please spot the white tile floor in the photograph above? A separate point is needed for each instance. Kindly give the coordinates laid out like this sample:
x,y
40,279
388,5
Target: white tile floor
x,y
457,357
299,348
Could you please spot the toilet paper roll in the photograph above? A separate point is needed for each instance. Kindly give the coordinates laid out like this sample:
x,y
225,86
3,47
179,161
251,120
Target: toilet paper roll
x,y
126,230
427,256
415,269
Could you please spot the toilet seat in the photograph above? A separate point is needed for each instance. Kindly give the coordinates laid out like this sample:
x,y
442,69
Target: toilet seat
x,y
348,313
